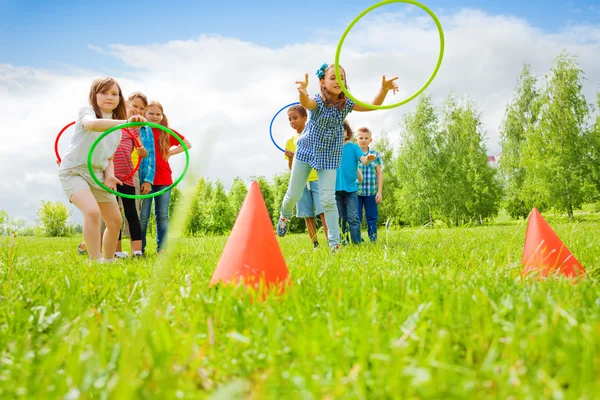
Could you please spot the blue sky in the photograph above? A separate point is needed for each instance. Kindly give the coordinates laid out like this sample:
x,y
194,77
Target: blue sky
x,y
51,35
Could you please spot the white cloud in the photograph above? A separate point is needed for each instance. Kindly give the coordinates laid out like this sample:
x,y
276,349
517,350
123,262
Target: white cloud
x,y
222,92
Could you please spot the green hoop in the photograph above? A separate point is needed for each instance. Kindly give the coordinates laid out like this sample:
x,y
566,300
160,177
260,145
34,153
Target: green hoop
x,y
418,92
127,125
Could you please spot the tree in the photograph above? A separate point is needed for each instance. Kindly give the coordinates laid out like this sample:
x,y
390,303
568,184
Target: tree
x,y
175,200
196,222
557,156
52,217
267,192
522,116
281,182
417,165
3,222
221,216
471,191
594,154
237,195
388,208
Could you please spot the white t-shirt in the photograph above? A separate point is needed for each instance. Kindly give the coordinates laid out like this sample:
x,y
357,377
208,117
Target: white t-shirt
x,y
83,139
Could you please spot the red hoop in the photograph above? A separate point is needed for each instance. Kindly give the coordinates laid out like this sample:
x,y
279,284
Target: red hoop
x,y
138,144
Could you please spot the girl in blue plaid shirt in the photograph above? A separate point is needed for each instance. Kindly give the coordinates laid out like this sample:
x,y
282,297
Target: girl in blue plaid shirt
x,y
320,147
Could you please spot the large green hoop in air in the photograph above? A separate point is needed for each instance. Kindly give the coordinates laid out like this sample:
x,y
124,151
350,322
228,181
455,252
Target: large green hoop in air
x,y
418,92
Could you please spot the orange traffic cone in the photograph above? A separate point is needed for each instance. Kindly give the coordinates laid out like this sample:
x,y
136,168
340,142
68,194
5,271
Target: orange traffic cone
x,y
252,254
545,253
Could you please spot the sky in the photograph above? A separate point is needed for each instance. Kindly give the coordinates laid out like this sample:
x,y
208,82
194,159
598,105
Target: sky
x,y
222,70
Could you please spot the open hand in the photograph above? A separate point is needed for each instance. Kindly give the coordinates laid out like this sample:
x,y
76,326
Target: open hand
x,y
111,182
303,85
389,84
371,157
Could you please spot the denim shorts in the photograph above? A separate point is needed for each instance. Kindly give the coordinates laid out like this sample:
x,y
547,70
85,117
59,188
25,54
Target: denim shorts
x,y
309,205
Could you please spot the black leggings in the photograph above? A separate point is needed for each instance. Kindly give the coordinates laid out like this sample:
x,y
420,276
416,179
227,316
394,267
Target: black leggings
x,y
133,219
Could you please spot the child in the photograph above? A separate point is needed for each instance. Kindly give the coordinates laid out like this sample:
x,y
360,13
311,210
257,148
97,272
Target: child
x,y
106,110
137,103
370,189
320,147
163,141
309,204
346,186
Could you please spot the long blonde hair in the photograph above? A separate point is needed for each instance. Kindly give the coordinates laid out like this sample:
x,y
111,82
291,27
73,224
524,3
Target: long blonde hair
x,y
329,98
101,85
164,141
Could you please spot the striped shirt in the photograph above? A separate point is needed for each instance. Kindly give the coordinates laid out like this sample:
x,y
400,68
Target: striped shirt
x,y
368,186
323,139
122,161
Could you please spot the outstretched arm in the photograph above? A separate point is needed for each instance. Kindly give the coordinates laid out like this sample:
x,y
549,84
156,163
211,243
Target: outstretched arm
x,y
386,85
305,99
101,125
367,159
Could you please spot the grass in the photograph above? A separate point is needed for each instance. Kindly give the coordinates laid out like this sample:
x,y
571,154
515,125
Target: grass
x,y
422,314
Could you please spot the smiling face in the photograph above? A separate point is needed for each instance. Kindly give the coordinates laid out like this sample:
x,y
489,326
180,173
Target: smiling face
x,y
108,99
154,115
297,121
136,107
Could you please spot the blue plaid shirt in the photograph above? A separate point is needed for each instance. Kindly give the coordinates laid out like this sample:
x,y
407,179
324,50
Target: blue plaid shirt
x,y
148,164
323,139
368,186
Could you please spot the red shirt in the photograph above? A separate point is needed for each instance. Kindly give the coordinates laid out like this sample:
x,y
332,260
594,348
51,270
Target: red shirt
x,y
163,175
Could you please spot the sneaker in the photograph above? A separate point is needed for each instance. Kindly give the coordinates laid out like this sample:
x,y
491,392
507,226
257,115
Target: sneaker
x,y
121,254
282,226
81,251
315,245
138,254
335,248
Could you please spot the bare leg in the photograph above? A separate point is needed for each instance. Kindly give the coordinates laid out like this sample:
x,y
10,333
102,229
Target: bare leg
x,y
85,201
311,226
112,218
322,216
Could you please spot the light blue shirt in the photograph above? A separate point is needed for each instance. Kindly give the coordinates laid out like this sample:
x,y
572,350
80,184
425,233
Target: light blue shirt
x,y
347,177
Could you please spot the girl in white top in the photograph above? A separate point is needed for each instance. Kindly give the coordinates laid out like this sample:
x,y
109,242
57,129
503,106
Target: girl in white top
x,y
106,110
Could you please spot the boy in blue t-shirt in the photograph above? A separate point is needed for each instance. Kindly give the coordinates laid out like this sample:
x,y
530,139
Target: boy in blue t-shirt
x,y
346,186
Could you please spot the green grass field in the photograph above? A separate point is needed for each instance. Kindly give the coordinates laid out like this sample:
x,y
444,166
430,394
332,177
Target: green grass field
x,y
423,314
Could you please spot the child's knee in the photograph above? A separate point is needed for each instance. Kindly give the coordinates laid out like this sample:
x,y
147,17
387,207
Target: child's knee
x,y
328,203
93,215
114,224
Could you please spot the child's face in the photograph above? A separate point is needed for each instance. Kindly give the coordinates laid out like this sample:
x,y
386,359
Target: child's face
x,y
364,139
108,100
154,115
136,107
331,83
297,121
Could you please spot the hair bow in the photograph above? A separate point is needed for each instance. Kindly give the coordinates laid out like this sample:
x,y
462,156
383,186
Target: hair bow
x,y
321,71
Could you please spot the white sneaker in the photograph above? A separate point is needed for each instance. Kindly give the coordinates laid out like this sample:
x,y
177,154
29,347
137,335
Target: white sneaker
x,y
121,254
